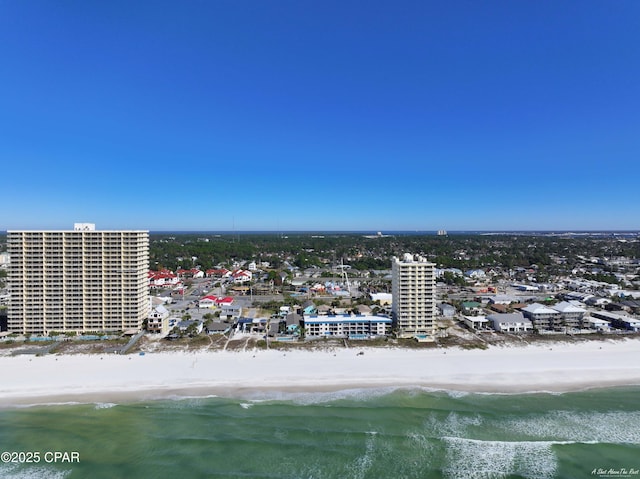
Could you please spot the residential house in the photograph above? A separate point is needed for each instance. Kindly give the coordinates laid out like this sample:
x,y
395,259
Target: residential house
x,y
503,299
208,302
440,272
518,306
510,323
218,273
476,323
499,308
633,306
190,273
243,325
252,325
158,320
217,327
309,308
229,310
162,279
475,274
293,323
577,296
183,326
447,310
224,301
471,307
597,301
274,328
241,276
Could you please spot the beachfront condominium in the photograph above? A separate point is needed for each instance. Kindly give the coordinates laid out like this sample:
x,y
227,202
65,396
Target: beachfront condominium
x,y
414,290
77,280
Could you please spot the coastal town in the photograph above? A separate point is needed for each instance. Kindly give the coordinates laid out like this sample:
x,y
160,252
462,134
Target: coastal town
x,y
320,290
113,316
320,239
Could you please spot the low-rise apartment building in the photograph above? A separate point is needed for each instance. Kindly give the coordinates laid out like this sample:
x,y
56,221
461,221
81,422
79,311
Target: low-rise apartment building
x,y
571,316
347,326
542,317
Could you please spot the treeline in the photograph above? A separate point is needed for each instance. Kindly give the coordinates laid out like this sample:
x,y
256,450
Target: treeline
x,y
550,254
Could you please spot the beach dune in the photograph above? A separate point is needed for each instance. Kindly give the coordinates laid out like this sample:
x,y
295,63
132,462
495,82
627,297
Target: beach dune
x,y
554,367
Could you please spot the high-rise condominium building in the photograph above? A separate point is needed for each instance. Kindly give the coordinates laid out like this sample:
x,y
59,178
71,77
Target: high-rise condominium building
x,y
414,294
78,280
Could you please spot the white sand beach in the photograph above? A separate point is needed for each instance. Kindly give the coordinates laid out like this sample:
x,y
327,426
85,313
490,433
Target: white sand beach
x,y
557,367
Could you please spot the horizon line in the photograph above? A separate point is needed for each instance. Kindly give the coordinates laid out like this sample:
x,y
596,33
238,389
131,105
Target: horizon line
x,y
352,231
384,233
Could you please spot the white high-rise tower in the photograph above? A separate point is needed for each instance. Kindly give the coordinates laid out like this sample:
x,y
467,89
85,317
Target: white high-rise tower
x,y
414,297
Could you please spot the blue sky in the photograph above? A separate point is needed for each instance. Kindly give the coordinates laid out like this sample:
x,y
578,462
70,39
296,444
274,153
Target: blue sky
x,y
320,115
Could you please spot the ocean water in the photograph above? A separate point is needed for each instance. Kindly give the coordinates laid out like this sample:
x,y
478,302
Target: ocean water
x,y
354,434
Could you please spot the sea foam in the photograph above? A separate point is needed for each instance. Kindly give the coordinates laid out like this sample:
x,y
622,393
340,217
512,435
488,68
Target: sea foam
x,y
474,459
322,397
616,427
16,471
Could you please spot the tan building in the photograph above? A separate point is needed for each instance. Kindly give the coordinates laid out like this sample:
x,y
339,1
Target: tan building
x,y
78,280
158,321
414,297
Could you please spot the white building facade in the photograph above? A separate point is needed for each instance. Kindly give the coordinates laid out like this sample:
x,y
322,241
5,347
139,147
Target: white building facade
x,y
347,326
78,280
510,323
414,297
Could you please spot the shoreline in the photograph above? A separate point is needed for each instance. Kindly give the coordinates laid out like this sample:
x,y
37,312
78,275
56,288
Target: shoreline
x,y
103,378
108,399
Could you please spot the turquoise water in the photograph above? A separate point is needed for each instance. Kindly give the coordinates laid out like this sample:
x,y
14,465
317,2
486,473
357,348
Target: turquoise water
x,y
348,434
